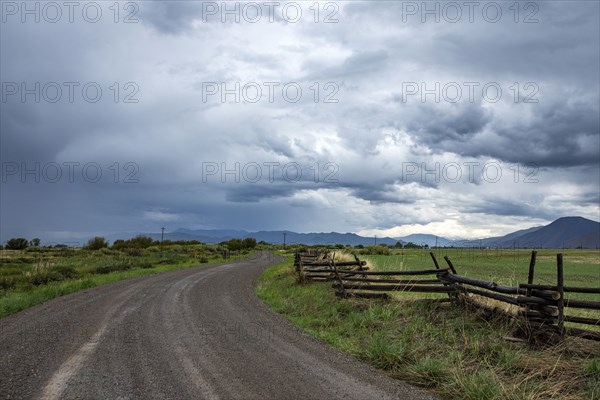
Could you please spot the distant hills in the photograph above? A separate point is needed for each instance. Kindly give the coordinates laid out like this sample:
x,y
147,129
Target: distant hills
x,y
508,240
430,240
566,232
569,232
276,237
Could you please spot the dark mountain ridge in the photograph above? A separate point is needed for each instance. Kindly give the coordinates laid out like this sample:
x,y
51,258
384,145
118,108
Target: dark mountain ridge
x,y
565,232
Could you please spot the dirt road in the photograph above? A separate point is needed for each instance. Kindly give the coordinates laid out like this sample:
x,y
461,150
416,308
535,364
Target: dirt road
x,y
196,333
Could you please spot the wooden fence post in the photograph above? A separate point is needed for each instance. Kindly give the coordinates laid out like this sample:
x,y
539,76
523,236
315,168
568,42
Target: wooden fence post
x,y
360,268
531,274
561,291
437,266
450,265
341,290
455,296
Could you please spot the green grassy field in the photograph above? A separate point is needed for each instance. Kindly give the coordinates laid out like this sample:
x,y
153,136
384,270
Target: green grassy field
x,y
34,275
506,267
509,267
450,350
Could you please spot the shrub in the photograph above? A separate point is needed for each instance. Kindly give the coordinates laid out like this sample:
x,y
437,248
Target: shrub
x,y
109,252
96,243
133,252
67,272
376,250
249,243
239,244
17,244
119,244
41,274
7,282
203,260
107,269
139,242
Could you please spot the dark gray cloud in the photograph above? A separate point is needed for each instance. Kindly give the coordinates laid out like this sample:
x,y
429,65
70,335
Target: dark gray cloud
x,y
361,63
376,145
171,17
508,207
451,126
561,132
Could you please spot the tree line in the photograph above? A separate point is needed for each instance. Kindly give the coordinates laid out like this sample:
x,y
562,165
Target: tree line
x,y
138,242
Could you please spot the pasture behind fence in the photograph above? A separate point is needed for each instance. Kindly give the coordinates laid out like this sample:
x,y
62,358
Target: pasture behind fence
x,y
542,307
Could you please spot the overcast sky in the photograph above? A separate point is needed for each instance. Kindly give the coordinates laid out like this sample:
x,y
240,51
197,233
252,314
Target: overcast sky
x,y
462,120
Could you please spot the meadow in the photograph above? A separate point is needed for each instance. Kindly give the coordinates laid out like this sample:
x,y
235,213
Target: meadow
x,y
453,351
31,276
503,266
506,267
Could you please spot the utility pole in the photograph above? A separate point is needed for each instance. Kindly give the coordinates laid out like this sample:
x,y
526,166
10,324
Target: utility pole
x,y
284,234
375,240
162,236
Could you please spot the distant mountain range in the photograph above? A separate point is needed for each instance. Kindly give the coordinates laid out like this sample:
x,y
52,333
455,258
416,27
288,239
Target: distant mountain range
x,y
276,237
427,239
566,232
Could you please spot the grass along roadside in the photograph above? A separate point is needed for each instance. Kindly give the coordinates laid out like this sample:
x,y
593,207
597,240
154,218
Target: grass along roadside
x,y
31,278
439,346
18,300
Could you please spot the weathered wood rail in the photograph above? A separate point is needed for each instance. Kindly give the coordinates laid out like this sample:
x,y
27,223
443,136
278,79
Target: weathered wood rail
x,y
542,306
349,285
319,267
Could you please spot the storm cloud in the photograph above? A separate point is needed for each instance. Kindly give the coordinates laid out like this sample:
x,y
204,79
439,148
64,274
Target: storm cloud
x,y
365,117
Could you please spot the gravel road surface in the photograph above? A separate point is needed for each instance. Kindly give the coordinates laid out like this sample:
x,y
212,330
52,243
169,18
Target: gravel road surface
x,y
198,333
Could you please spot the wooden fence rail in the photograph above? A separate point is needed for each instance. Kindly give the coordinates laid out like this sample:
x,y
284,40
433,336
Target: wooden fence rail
x,y
320,268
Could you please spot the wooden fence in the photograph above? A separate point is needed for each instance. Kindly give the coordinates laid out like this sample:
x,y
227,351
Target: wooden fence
x,y
542,307
362,283
320,267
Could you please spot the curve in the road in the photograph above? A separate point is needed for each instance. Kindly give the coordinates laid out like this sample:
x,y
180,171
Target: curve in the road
x,y
198,333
